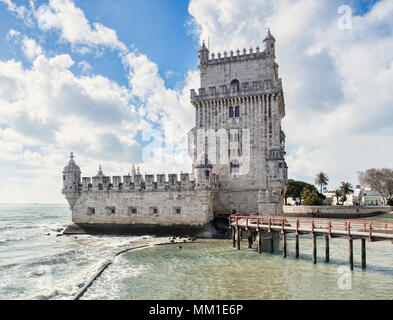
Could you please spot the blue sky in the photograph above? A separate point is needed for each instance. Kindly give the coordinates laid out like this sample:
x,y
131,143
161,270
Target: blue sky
x,y
94,76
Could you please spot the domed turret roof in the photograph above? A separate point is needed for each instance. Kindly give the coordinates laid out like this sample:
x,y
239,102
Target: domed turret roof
x,y
100,173
269,36
203,48
71,167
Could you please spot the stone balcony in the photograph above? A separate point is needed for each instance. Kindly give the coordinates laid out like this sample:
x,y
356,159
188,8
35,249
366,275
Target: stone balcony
x,y
246,89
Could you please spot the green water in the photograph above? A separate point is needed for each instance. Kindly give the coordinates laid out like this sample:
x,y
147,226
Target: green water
x,y
215,270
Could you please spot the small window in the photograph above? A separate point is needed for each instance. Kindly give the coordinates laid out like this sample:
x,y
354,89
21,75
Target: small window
x,y
154,210
178,210
91,211
63,178
280,165
110,210
207,173
231,112
237,112
132,211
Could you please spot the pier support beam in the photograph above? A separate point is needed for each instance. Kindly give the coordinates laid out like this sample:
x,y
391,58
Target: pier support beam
x,y
314,248
250,239
234,236
327,253
272,242
350,242
297,246
363,253
238,238
284,244
259,241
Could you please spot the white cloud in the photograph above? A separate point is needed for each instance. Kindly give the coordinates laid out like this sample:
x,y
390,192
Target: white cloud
x,y
30,48
46,112
84,66
70,20
20,11
13,33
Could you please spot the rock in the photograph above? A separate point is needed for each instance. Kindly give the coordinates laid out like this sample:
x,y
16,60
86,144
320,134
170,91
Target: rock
x,y
59,230
48,234
184,240
180,247
172,241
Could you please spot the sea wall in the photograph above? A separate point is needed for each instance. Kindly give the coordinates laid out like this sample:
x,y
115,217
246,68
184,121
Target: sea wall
x,y
335,211
159,208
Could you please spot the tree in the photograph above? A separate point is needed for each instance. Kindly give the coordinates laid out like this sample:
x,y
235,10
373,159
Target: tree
x,y
345,190
295,190
321,180
311,198
338,195
379,180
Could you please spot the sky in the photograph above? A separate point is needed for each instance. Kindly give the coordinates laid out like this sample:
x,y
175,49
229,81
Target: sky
x,y
106,78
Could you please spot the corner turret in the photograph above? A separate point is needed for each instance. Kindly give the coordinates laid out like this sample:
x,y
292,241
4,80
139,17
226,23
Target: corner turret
x,y
203,56
270,44
71,181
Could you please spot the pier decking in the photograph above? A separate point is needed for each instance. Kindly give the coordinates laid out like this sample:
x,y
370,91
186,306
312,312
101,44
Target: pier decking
x,y
329,228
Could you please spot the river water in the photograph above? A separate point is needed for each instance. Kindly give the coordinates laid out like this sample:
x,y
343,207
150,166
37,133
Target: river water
x,y
35,265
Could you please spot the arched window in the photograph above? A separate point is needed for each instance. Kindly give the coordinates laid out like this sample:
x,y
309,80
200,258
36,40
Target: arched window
x,y
235,84
230,112
237,112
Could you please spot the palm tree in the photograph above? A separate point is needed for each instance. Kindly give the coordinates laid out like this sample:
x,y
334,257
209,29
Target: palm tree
x,y
338,195
346,189
321,180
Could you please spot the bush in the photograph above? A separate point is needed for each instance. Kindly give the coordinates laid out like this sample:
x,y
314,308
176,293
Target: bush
x,y
389,202
311,198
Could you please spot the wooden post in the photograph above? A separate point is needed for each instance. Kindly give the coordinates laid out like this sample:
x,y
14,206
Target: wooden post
x,y
284,244
297,246
272,242
250,238
350,242
327,249
314,248
363,253
259,241
241,234
238,238
234,236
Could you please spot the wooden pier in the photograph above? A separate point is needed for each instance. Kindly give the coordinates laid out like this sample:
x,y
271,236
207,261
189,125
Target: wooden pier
x,y
364,230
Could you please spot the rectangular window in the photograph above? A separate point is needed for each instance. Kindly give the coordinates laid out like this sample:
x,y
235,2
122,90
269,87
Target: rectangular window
x,y
110,210
177,210
132,211
91,211
153,211
237,112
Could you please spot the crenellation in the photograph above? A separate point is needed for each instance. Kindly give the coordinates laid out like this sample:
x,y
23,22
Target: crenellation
x,y
117,183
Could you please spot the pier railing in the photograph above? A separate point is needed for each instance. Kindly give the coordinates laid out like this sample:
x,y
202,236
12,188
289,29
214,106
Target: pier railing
x,y
254,225
334,227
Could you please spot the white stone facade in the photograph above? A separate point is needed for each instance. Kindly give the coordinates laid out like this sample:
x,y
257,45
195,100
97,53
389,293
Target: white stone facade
x,y
237,147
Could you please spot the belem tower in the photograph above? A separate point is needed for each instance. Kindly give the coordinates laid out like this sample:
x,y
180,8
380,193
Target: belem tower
x,y
237,148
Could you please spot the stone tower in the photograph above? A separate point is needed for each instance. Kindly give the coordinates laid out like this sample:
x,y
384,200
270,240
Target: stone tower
x,y
239,108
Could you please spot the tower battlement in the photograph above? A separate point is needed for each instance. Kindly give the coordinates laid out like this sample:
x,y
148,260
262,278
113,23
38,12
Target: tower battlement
x,y
138,182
